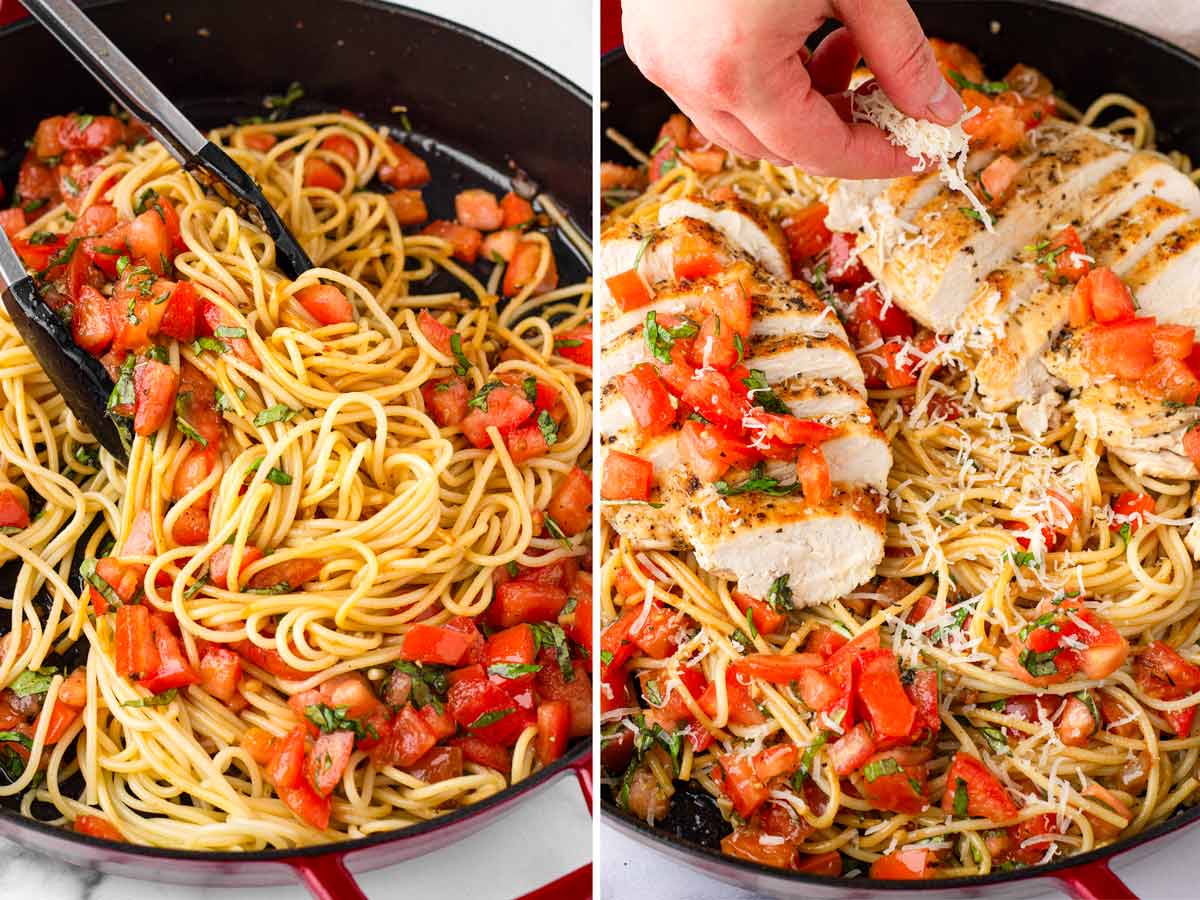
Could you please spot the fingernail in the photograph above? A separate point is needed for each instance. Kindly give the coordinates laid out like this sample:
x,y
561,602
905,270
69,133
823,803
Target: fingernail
x,y
945,105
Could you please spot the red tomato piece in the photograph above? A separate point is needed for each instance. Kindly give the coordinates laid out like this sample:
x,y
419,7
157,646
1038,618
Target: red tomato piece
x,y
517,211
328,759
626,477
648,399
98,827
154,385
486,711
1125,349
1134,507
150,242
320,174
1171,380
136,651
998,178
576,345
220,672
409,170
433,644
505,408
1111,299
1175,341
986,796
91,323
477,208
307,804
342,146
408,206
852,750
807,235
173,670
909,864
628,290
694,257
523,269
776,668
526,601
446,399
879,688
1070,263
464,241
812,471
741,785
325,303
571,504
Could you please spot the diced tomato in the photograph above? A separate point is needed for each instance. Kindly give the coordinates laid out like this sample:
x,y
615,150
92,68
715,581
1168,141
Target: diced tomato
x,y
788,429
741,785
812,471
694,257
210,317
517,211
220,672
852,750
902,791
91,323
499,246
36,257
671,138
173,670
1191,445
1174,341
342,146
446,399
1070,263
505,408
998,179
998,126
648,399
515,645
986,796
433,644
628,290
435,332
526,601
571,504
90,132
97,827
745,843
1111,299
1133,507
908,864
869,306
179,319
551,683
576,345
328,759
485,753
408,207
12,221
846,270
439,764
409,170
136,652
259,140
154,386
1125,350
766,620
923,694
1163,674
218,565
320,174
306,803
807,235
486,711
464,241
1171,380
325,303
477,208
150,242
626,477
879,687
827,864
709,451
406,739
523,268
776,668
818,691
47,138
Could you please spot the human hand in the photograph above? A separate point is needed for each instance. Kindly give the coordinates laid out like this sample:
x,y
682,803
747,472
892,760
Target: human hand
x,y
738,69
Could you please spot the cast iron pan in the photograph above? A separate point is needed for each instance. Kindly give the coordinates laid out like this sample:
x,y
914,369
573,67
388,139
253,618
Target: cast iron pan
x,y
479,111
1085,55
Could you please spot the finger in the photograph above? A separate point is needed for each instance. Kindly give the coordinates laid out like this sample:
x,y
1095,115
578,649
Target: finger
x,y
832,63
900,57
798,123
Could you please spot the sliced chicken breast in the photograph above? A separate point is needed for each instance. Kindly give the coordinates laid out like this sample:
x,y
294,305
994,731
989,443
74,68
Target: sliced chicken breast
x,y
826,551
745,226
1012,320
1142,431
933,274
778,357
780,307
1166,282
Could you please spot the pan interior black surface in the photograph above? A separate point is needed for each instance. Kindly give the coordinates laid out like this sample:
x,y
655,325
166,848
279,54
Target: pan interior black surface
x,y
481,115
1085,55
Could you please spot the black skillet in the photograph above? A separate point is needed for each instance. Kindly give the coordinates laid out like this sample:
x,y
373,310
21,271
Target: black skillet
x,y
1085,55
478,110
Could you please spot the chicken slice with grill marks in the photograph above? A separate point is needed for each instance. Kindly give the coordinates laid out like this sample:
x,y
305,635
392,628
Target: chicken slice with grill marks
x,y
745,226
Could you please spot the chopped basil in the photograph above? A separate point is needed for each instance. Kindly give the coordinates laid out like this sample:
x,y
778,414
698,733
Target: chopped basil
x,y
276,413
567,342
779,595
741,350
651,692
157,353
122,264
1045,620
278,476
87,455
229,331
641,251
1085,697
429,683
464,365
660,339
35,205
807,760
757,385
513,670
330,719
157,700
548,428
15,737
186,429
492,717
656,734
984,87
210,344
280,103
995,739
960,797
87,570
1125,532
38,238
546,634
61,258
33,681
12,766
971,213
757,482
195,587
480,400
1021,558
880,767
512,569
82,122
281,588
222,400
606,656
1039,664
530,386
750,623
556,531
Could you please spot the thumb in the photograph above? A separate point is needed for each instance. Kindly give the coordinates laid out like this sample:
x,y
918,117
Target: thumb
x,y
898,53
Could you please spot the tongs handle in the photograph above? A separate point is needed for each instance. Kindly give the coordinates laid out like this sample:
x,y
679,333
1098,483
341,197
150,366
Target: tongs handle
x,y
120,77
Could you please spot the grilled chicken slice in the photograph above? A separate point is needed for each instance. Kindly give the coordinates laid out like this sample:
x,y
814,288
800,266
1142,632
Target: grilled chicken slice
x,y
778,357
933,273
652,250
780,307
1144,432
1166,282
858,454
744,226
1011,321
826,550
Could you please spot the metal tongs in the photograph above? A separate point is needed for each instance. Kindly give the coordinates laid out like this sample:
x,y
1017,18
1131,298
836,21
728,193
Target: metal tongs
x,y
83,382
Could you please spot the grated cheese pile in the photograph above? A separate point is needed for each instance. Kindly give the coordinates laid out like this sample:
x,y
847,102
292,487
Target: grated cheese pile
x,y
926,141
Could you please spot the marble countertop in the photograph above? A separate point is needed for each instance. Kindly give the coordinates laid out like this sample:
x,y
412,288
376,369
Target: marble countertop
x,y
558,34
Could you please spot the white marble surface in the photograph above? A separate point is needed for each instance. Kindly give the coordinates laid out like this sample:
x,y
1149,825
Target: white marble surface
x,y
504,860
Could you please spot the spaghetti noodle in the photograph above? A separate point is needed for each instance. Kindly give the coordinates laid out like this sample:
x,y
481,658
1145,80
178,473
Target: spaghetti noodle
x,y
992,535
338,525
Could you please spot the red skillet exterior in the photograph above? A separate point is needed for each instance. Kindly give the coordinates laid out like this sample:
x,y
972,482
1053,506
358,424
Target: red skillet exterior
x,y
470,92
1086,55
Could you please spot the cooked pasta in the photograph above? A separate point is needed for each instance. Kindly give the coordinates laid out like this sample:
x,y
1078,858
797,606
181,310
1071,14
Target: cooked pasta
x,y
314,532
